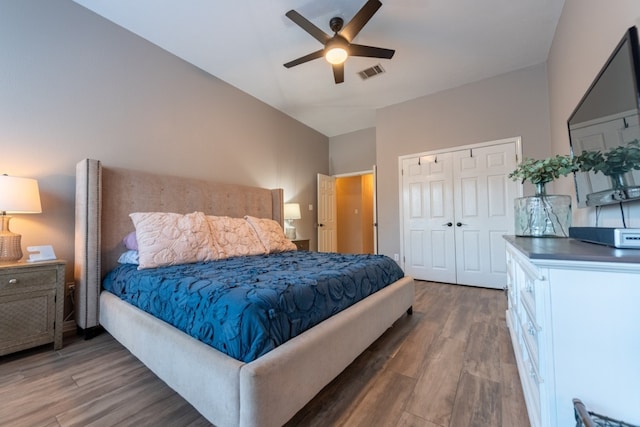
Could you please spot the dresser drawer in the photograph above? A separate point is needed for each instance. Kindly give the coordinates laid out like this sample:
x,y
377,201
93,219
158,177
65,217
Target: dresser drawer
x,y
528,294
530,338
531,383
532,393
511,280
17,281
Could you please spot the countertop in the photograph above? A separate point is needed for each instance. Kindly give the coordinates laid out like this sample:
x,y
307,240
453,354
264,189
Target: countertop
x,y
568,249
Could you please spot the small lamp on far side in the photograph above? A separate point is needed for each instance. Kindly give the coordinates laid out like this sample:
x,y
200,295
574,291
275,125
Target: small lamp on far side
x,y
17,196
291,212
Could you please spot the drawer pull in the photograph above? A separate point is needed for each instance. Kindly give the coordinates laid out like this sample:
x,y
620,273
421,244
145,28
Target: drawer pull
x,y
13,281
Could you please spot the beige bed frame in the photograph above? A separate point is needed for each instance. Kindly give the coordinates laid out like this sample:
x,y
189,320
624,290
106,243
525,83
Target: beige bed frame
x,y
265,392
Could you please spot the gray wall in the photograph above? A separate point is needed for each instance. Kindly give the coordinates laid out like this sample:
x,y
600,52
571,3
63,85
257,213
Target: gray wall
x,y
586,35
512,104
352,152
74,85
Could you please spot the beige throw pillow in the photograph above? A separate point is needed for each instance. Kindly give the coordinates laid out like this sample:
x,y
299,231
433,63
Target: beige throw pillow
x,y
234,237
171,238
271,234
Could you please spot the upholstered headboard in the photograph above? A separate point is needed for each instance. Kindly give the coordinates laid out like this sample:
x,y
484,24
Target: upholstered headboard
x,y
106,196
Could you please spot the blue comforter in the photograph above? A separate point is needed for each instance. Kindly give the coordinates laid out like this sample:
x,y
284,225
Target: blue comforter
x,y
247,306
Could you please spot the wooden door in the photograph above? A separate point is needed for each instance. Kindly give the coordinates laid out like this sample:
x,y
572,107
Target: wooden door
x,y
327,227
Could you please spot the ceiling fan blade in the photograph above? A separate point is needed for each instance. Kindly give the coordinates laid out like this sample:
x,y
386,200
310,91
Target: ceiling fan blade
x,y
310,57
306,25
370,51
338,73
351,30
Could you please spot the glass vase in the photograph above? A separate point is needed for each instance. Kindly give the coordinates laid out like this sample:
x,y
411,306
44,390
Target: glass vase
x,y
618,181
543,215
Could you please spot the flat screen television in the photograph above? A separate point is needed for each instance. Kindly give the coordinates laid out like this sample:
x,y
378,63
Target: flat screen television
x,y
608,116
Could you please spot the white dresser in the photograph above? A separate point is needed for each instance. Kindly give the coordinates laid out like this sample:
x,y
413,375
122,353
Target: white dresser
x,y
574,319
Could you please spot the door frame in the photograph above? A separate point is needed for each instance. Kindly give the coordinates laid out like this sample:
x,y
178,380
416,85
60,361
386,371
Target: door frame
x,y
372,171
516,139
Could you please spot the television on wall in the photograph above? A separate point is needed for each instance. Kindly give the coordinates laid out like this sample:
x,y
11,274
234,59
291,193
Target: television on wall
x,y
607,117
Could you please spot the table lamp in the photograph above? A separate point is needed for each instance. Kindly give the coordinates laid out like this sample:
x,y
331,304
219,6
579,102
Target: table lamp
x,y
17,196
291,212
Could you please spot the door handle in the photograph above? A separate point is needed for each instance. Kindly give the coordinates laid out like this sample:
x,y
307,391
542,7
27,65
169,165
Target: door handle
x,y
448,224
320,225
459,224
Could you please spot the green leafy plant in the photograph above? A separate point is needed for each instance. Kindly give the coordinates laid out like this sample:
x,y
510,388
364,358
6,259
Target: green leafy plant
x,y
617,161
544,170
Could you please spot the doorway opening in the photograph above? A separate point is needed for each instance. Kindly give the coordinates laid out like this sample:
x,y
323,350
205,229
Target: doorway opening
x,y
355,213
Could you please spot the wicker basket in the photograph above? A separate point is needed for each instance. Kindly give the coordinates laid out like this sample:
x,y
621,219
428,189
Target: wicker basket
x,y
586,418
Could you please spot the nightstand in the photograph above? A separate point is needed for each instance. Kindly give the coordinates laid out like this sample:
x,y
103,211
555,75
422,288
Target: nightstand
x,y
301,244
31,305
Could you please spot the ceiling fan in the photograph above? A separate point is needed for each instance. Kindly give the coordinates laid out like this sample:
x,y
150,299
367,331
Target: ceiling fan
x,y
338,48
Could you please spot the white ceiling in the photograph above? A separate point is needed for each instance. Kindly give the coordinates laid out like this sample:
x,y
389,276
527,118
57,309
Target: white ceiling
x,y
440,44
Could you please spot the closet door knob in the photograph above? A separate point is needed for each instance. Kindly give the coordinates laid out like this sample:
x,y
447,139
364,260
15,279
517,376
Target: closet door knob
x,y
459,224
448,224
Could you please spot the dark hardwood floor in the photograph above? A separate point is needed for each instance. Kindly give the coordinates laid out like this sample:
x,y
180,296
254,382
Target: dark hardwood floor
x,y
449,364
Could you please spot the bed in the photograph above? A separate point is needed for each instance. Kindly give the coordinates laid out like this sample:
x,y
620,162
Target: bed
x,y
267,391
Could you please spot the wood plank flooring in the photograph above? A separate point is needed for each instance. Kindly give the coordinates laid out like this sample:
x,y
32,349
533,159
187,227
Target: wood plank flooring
x,y
449,364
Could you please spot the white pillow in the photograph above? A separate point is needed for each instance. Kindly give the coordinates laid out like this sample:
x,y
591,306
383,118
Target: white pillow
x,y
129,257
271,234
171,238
234,237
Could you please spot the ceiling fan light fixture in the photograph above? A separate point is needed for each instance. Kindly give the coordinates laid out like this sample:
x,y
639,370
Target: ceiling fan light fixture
x,y
338,49
336,55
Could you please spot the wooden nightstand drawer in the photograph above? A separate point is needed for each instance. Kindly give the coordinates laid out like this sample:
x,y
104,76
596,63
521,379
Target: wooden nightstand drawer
x,y
301,244
17,280
31,305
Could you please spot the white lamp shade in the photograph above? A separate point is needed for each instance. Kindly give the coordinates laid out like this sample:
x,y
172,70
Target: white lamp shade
x,y
292,211
19,195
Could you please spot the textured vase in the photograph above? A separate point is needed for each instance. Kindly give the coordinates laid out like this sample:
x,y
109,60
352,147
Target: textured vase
x,y
543,215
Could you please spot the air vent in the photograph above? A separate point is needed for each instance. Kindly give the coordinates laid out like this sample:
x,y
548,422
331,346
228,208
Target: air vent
x,y
370,72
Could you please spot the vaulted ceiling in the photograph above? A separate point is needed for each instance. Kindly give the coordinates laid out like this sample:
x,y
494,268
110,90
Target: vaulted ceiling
x,y
439,44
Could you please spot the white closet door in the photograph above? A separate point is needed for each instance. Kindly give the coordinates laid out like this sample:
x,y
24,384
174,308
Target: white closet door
x,y
483,199
428,218
456,207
